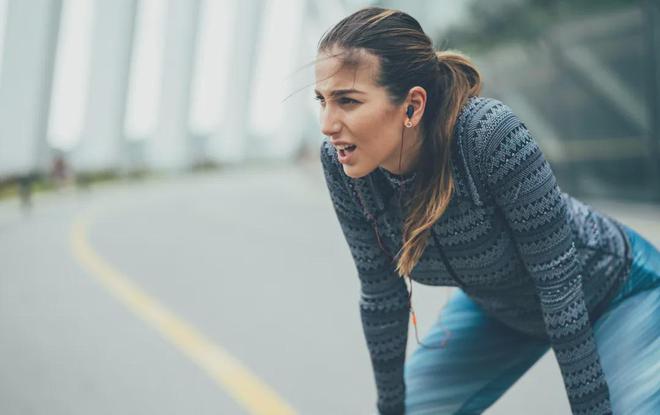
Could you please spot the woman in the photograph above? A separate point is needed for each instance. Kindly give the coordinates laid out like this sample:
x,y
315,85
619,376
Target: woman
x,y
418,164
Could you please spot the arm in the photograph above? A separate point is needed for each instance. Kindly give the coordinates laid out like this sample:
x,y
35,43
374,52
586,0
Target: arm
x,y
383,295
525,190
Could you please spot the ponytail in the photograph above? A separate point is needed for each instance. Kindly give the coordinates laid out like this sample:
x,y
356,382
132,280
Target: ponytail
x,y
459,80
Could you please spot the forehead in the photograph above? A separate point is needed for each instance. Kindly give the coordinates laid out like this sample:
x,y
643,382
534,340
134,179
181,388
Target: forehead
x,y
331,75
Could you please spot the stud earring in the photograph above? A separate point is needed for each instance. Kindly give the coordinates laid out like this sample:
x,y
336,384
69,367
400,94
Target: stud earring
x,y
408,124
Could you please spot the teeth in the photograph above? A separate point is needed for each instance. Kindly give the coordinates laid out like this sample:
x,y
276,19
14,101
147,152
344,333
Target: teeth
x,y
344,147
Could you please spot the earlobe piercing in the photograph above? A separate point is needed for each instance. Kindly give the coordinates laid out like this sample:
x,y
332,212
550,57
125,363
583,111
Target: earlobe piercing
x,y
408,124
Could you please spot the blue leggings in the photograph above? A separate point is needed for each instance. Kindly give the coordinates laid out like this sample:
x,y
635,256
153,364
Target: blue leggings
x,y
483,358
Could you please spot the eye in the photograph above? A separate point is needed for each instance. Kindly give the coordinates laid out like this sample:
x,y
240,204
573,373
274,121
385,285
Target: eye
x,y
347,101
341,100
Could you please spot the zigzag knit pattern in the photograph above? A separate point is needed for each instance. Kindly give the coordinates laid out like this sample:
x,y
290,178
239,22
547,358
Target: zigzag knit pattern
x,y
529,254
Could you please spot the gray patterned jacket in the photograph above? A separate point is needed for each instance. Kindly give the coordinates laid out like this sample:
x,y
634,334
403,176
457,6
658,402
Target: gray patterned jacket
x,y
530,255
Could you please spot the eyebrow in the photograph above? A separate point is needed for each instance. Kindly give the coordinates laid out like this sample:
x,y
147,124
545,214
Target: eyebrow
x,y
339,92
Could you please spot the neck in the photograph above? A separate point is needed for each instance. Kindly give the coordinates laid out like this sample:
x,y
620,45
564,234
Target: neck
x,y
405,159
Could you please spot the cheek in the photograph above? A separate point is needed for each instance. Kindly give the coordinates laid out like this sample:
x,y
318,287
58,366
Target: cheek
x,y
384,132
374,126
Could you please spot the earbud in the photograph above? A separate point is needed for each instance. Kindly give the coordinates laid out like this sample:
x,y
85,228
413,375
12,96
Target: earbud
x,y
409,111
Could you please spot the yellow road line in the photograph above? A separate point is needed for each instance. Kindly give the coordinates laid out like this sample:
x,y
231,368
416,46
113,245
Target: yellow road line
x,y
244,387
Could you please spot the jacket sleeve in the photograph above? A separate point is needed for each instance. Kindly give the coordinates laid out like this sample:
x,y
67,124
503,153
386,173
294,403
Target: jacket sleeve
x,y
383,301
526,192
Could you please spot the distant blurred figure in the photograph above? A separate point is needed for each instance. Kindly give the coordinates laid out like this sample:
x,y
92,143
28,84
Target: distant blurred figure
x,y
25,192
60,172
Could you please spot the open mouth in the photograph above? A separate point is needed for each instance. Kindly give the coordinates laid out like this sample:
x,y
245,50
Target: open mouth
x,y
347,150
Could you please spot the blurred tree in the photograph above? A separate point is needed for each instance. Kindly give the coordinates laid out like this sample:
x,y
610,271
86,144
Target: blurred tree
x,y
496,22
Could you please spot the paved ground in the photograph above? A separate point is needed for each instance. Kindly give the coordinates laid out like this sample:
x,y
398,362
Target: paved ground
x,y
128,299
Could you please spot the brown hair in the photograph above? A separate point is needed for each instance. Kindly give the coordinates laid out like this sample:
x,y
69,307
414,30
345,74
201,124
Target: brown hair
x,y
407,59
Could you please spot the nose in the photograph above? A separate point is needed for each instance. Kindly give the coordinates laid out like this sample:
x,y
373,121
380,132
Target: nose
x,y
330,125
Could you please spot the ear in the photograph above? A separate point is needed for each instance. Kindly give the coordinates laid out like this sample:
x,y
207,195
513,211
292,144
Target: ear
x,y
416,98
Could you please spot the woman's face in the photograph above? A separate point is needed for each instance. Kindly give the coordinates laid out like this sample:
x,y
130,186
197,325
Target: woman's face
x,y
354,110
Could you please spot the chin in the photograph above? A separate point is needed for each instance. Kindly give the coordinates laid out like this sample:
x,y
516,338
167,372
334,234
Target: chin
x,y
356,172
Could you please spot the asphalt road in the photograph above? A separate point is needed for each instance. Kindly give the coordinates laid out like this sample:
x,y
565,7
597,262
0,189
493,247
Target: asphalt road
x,y
218,293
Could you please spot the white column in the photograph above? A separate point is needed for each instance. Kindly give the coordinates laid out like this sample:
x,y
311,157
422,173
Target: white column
x,y
31,28
170,147
103,128
231,142
288,139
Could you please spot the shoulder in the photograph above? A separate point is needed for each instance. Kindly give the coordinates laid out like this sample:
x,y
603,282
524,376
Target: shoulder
x,y
487,125
487,132
484,118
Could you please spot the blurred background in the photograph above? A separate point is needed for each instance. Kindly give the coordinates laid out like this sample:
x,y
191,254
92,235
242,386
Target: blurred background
x,y
163,210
